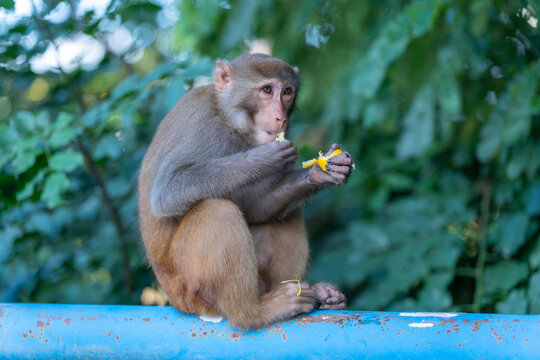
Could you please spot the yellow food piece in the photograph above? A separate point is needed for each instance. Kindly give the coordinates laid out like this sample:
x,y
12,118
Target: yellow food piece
x,y
280,136
322,160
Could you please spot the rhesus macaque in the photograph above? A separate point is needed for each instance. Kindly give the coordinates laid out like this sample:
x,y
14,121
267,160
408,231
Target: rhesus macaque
x,y
220,205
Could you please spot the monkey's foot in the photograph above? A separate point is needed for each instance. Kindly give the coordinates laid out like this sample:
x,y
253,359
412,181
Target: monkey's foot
x,y
330,297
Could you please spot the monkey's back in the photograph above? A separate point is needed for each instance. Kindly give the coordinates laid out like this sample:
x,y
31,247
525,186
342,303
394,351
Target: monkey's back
x,y
156,232
194,126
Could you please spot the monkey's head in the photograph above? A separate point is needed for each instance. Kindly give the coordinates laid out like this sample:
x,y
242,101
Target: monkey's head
x,y
257,94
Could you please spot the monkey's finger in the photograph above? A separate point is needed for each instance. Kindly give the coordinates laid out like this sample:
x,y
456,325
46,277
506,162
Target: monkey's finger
x,y
324,177
335,298
289,152
339,306
344,170
285,151
333,148
338,179
285,144
343,159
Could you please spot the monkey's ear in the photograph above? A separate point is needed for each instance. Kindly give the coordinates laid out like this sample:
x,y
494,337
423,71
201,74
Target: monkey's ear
x,y
222,76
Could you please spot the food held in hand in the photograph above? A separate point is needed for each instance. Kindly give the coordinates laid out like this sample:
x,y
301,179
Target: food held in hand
x,y
321,160
280,136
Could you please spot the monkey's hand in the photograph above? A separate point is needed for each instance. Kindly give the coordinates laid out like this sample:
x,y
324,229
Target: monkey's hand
x,y
330,297
274,157
338,167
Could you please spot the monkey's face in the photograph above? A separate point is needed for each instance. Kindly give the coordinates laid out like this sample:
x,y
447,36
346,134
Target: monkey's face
x,y
275,100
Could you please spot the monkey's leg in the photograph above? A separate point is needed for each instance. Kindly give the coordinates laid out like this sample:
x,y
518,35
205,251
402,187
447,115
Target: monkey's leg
x,y
282,249
282,253
214,256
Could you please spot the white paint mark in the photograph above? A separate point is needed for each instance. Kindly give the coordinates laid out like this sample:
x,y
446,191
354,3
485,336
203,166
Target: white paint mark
x,y
325,317
421,325
214,319
429,314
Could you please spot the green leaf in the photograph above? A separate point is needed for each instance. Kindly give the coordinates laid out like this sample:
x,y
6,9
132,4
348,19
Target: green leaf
x,y
418,125
374,113
534,293
128,86
504,276
108,147
62,131
239,23
533,204
515,303
444,255
63,120
24,122
421,16
26,152
534,256
510,233
203,67
8,234
42,121
7,4
314,36
174,92
491,141
62,137
97,115
398,182
434,295
66,161
517,164
28,189
8,135
368,75
55,185
41,223
368,237
510,120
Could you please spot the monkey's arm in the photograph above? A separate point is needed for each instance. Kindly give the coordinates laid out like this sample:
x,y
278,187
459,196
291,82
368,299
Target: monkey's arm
x,y
295,187
286,196
181,183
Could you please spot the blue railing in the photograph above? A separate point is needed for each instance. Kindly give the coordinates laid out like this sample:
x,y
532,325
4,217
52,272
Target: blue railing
x,y
47,331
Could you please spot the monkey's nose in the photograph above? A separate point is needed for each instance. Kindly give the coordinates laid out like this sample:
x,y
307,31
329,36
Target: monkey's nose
x,y
278,119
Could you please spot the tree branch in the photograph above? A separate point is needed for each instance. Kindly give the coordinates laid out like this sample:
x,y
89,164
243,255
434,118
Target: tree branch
x,y
486,190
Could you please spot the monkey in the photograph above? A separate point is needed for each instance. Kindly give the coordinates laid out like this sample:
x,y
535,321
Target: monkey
x,y
220,201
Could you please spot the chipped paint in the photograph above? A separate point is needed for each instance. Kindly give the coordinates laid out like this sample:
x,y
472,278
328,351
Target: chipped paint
x,y
38,331
497,337
476,324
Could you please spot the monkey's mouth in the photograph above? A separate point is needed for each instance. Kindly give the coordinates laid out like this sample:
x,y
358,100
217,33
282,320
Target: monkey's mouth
x,y
266,136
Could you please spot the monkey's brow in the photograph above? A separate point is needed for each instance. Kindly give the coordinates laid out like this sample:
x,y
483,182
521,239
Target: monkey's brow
x,y
270,81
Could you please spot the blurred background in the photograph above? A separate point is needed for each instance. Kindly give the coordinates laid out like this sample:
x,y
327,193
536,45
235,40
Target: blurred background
x,y
437,101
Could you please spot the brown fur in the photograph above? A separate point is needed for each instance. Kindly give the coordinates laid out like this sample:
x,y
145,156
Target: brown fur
x,y
220,214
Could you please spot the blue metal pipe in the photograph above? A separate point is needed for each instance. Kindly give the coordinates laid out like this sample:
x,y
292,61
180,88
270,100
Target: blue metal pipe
x,y
50,331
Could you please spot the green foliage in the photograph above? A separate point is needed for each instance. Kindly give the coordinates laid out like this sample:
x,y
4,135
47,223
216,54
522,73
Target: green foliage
x,y
437,101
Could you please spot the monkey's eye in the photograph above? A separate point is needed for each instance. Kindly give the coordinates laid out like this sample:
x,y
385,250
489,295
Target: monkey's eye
x,y
267,89
287,91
